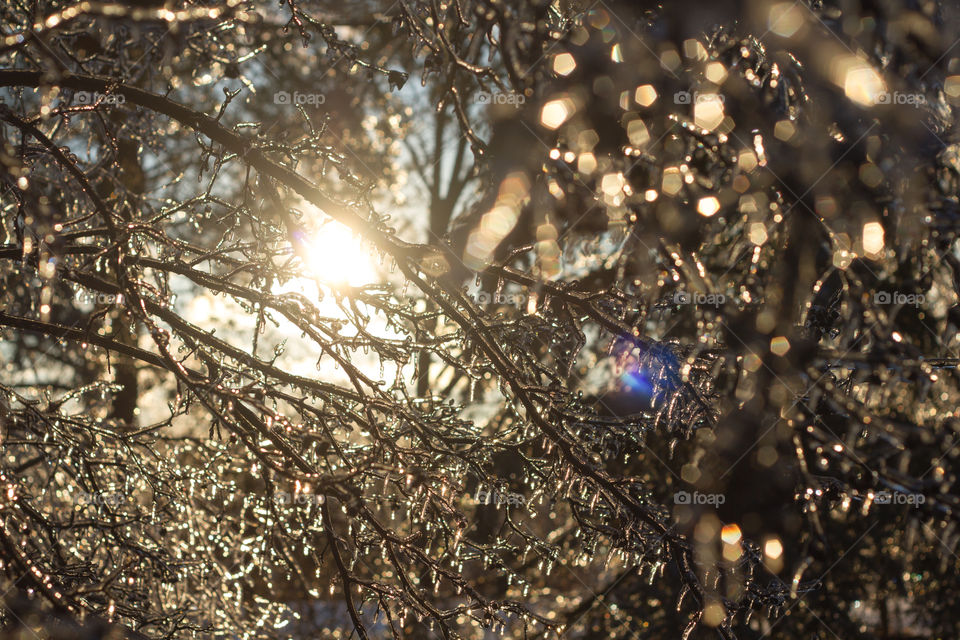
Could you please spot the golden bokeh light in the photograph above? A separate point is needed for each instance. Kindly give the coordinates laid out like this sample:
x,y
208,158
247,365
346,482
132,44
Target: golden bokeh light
x,y
730,534
645,95
873,239
860,81
708,111
556,112
498,222
773,548
708,206
564,64
786,18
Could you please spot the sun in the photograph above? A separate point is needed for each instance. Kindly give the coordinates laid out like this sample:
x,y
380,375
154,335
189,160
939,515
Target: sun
x,y
336,257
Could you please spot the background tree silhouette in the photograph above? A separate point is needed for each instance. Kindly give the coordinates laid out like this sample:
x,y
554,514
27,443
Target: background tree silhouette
x,y
474,319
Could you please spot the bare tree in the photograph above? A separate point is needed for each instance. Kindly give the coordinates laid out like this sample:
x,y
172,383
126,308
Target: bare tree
x,y
658,339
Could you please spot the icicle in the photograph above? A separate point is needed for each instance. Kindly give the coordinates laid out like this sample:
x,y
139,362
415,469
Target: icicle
x,y
653,575
683,594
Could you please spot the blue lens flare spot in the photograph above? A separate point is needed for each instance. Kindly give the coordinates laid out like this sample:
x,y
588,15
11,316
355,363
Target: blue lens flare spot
x,y
652,379
636,381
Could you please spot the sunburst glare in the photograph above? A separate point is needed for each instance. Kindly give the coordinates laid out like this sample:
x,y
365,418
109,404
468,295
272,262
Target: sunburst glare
x,y
334,256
